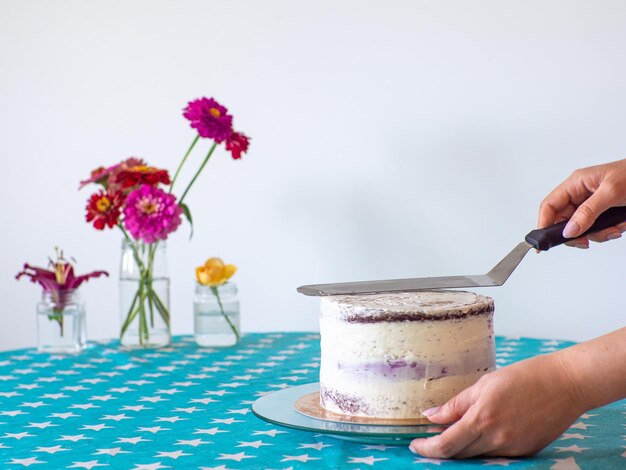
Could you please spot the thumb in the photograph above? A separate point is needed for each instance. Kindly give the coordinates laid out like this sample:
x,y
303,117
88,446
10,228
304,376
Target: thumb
x,y
452,410
586,214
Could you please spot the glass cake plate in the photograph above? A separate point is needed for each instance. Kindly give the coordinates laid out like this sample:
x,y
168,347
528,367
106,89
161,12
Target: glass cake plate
x,y
279,408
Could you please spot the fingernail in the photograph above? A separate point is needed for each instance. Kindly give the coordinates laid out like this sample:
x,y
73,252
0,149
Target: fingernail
x,y
582,246
613,236
431,411
412,449
571,229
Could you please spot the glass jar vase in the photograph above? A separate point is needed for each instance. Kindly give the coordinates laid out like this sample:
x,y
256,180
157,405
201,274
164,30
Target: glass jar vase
x,y
144,295
216,315
61,324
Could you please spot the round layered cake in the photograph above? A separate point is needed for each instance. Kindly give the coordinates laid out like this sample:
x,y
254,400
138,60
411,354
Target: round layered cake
x,y
396,355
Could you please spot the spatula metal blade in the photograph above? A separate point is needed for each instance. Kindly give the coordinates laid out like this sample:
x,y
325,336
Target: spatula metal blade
x,y
496,277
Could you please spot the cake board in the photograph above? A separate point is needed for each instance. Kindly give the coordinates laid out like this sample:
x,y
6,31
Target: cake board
x,y
280,408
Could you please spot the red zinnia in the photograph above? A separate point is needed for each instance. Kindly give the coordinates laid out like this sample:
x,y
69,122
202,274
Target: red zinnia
x,y
102,175
103,208
237,144
138,175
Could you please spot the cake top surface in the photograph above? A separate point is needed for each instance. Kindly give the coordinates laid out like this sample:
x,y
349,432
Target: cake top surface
x,y
435,304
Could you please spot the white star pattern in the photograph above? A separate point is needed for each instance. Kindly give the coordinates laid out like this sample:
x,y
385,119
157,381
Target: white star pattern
x,y
565,464
172,455
122,396
191,409
50,450
88,465
192,442
149,466
118,417
13,413
64,415
238,457
499,462
134,408
47,424
211,431
18,436
227,421
154,429
580,425
26,462
172,419
204,401
96,427
242,411
74,438
272,433
316,446
131,440
113,451
576,435
376,447
255,444
84,406
366,460
426,460
573,448
35,404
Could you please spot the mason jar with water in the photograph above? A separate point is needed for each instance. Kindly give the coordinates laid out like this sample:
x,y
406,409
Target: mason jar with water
x,y
144,295
216,315
61,324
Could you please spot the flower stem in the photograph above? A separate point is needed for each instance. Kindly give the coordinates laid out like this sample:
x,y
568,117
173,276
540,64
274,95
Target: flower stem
x,y
219,302
206,159
193,144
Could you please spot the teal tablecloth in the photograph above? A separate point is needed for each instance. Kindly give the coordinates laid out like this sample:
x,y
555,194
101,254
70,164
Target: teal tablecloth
x,y
188,407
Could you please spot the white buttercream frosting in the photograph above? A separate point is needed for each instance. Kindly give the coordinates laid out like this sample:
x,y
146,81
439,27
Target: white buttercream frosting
x,y
397,369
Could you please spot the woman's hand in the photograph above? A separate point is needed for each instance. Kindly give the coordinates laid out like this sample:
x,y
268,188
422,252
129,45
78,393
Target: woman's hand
x,y
582,197
514,411
519,409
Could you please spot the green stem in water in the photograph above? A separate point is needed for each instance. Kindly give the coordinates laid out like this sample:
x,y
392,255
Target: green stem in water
x,y
193,144
206,159
219,302
58,317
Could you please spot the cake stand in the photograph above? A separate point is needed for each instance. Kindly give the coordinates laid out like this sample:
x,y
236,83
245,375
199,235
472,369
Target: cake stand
x,y
280,408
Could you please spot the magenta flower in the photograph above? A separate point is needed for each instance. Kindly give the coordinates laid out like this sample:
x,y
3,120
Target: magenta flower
x,y
59,280
151,214
237,144
210,119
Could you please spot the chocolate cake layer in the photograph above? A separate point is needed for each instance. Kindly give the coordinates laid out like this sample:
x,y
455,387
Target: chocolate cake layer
x,y
406,307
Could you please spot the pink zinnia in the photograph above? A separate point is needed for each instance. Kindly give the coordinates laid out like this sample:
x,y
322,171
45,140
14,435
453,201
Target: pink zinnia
x,y
151,214
237,144
209,118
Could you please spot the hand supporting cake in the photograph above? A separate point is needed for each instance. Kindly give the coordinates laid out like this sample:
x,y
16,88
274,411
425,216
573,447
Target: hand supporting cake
x,y
396,355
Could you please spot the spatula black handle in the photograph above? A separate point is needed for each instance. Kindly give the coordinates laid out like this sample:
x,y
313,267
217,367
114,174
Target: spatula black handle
x,y
545,238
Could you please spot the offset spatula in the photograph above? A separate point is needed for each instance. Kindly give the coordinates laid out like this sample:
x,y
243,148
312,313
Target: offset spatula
x,y
540,239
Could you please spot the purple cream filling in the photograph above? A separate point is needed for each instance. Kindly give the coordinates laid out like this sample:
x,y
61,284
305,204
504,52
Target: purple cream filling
x,y
403,370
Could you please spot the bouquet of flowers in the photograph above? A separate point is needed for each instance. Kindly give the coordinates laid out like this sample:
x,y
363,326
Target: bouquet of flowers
x,y
138,199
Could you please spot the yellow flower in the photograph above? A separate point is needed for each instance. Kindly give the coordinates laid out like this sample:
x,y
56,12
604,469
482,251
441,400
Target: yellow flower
x,y
214,272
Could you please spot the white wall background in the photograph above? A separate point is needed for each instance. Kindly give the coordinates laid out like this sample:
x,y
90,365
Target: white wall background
x,y
390,139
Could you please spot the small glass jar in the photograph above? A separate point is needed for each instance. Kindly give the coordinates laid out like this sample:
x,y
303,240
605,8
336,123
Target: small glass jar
x,y
61,323
216,315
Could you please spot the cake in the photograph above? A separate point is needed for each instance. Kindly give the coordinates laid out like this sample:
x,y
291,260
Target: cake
x,y
395,355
